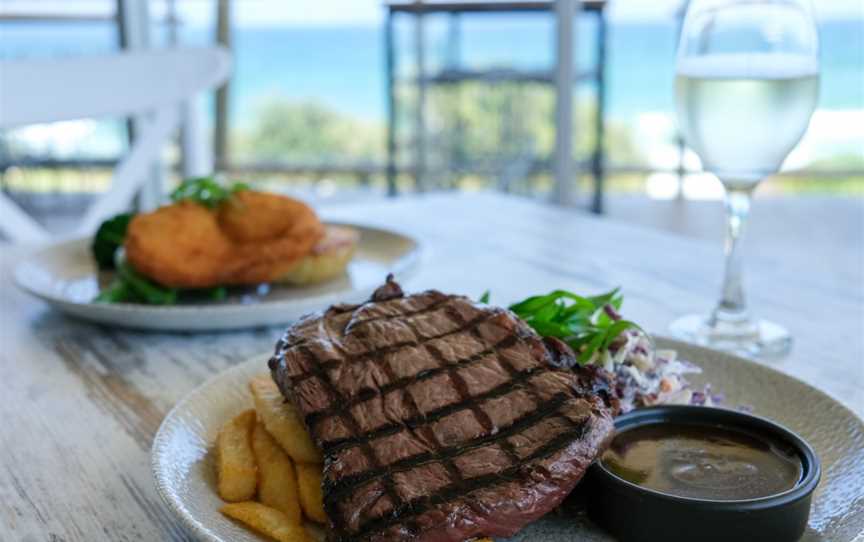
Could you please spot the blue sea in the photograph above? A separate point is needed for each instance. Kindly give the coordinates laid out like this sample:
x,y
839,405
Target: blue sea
x,y
343,67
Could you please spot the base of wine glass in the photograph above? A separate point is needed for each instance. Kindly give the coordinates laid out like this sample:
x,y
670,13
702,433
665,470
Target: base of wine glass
x,y
754,338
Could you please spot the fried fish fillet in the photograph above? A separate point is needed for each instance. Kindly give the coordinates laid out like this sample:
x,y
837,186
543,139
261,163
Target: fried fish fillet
x,y
271,234
253,237
179,245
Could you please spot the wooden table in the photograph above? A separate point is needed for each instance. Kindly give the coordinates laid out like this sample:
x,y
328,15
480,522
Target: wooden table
x,y
81,403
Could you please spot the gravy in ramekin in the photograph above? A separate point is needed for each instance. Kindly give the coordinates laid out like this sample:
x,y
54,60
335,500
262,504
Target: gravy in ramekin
x,y
703,461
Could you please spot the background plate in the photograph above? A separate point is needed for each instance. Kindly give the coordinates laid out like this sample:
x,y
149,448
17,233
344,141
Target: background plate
x,y
65,275
186,481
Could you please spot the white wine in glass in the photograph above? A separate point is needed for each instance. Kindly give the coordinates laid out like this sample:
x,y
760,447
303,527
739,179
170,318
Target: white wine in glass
x,y
747,82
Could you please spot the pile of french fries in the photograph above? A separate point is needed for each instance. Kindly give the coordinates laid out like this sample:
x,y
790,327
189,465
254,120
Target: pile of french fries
x,y
269,471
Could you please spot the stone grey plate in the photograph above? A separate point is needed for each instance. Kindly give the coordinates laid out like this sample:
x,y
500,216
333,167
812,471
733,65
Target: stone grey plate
x,y
186,481
65,276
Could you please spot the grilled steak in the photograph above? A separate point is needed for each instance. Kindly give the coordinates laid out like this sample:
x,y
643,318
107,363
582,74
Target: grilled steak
x,y
439,419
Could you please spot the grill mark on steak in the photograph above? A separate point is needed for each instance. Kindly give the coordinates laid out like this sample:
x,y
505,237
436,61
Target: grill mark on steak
x,y
351,482
506,445
336,518
432,307
461,387
363,356
562,426
464,395
506,364
366,447
432,416
412,407
348,418
418,506
401,383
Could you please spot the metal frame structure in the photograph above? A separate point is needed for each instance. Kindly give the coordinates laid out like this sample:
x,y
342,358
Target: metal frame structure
x,y
565,12
562,78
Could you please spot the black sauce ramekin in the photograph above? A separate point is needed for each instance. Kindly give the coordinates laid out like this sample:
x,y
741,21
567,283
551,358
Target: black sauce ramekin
x,y
636,514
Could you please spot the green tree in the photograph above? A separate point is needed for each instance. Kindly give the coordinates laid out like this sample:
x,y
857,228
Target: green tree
x,y
307,132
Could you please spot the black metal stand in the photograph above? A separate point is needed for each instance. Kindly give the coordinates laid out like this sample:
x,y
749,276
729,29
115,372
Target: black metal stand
x,y
452,74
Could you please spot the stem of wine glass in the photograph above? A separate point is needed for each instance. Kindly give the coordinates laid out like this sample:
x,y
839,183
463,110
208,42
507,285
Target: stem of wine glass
x,y
732,307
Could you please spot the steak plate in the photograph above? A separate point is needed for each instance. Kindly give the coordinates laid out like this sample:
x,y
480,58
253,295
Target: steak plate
x,y
440,419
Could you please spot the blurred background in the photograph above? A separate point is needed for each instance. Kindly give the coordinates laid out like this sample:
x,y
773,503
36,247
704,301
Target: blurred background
x,y
339,100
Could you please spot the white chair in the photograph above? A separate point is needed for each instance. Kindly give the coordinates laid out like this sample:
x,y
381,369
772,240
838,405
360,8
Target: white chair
x,y
149,86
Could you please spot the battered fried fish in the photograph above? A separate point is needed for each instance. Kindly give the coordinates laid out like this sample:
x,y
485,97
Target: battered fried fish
x,y
271,234
179,245
252,237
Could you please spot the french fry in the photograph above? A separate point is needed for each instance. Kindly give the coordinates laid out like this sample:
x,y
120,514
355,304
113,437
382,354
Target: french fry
x,y
267,521
277,485
309,483
283,421
235,462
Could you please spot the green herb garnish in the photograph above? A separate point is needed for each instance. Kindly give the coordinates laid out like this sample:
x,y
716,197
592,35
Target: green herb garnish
x,y
109,237
588,324
206,190
116,292
129,286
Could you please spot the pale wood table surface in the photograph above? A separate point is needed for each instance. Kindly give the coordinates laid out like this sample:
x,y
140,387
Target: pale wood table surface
x,y
81,403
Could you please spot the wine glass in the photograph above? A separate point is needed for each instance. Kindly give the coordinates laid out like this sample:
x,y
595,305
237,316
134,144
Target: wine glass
x,y
747,81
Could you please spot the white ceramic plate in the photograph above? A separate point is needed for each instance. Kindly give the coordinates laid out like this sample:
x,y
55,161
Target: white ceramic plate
x,y
65,275
186,480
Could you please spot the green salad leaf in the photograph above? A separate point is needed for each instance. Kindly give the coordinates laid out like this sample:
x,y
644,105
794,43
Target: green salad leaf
x,y
109,237
131,287
145,289
116,292
588,324
206,190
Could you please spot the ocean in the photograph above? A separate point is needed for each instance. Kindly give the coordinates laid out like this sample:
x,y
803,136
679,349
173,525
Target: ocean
x,y
342,67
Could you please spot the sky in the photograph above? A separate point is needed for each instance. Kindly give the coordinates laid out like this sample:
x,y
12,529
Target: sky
x,y
319,12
